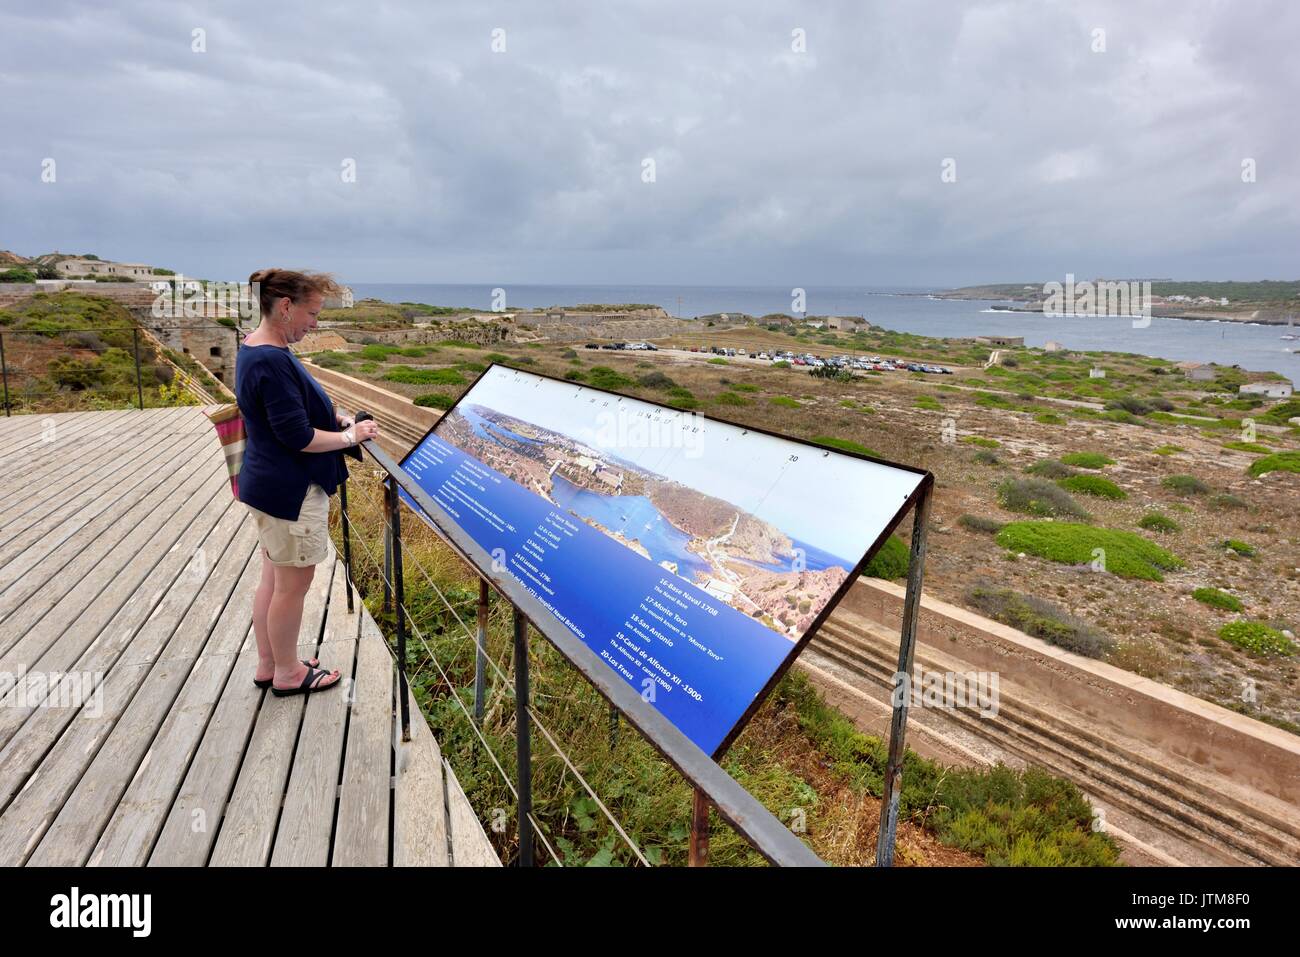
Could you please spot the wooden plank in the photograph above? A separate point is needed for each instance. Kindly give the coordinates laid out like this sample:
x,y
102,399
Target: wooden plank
x,y
25,751
45,473
59,586
56,525
420,837
26,431
25,820
163,597
248,828
306,823
361,835
470,846
76,828
138,818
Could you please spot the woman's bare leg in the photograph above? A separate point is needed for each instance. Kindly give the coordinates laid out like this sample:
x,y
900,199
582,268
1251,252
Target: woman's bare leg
x,y
261,604
284,620
261,630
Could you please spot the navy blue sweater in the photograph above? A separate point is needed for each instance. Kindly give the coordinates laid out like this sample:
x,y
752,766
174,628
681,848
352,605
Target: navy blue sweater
x,y
281,405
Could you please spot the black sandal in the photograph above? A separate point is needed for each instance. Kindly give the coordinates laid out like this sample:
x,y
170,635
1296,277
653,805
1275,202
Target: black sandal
x,y
308,683
266,682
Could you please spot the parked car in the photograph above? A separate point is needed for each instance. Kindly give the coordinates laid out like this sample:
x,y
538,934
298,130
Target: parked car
x,y
591,345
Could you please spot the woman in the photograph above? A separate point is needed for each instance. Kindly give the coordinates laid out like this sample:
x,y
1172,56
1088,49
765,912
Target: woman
x,y
293,462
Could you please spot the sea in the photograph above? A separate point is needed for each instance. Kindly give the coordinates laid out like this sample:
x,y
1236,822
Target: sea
x,y
1259,348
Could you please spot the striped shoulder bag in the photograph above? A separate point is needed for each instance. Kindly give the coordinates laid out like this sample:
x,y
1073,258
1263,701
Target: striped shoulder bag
x,y
229,423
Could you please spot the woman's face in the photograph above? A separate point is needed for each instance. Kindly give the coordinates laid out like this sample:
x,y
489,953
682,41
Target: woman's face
x,y
300,317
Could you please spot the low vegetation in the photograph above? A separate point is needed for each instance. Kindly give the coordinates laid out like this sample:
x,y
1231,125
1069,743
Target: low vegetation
x,y
1157,522
1218,599
1093,485
1087,460
1257,638
1042,619
1121,553
1038,497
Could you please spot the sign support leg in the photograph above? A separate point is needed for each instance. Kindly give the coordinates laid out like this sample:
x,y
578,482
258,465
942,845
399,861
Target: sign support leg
x,y
893,784
699,846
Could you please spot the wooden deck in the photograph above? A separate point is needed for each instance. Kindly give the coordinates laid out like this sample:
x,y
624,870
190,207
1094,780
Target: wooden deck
x,y
130,729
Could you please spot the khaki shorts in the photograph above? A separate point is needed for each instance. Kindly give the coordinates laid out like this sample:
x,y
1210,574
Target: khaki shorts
x,y
300,543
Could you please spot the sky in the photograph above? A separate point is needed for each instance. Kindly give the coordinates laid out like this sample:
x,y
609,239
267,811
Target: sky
x,y
764,475
657,141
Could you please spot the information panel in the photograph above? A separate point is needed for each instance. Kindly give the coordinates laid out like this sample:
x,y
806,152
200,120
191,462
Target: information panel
x,y
693,556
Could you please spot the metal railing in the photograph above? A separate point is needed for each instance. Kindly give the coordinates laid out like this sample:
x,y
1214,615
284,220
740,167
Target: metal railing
x,y
16,380
712,785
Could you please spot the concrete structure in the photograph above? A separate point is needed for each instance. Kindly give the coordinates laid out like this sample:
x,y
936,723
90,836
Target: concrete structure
x,y
1200,373
1000,340
1220,742
344,300
101,267
847,322
1095,373
1269,390
1053,346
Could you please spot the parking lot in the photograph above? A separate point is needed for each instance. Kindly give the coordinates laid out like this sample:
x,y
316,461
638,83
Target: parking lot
x,y
807,361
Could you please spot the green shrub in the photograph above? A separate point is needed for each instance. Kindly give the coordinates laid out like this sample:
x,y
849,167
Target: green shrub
x,y
845,445
717,361
1155,522
784,401
1050,469
1087,460
981,442
1277,462
656,380
1093,485
781,364
986,457
891,562
1168,449
1247,447
409,376
576,375
1049,418
730,398
1227,500
1042,619
603,377
1038,497
1240,547
434,400
1218,599
1257,638
1126,554
1184,484
379,351
927,402
980,523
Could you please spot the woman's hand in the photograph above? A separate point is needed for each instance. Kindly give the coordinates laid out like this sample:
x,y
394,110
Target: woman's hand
x,y
365,429
344,420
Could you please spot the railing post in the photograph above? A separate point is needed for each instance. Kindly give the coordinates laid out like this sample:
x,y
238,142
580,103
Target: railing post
x,y
4,372
388,553
893,783
697,853
347,540
395,517
480,656
523,741
139,383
